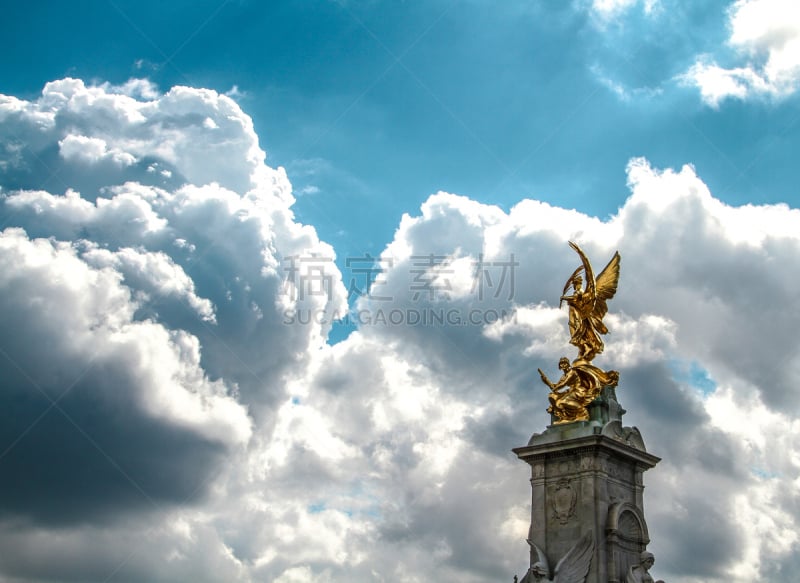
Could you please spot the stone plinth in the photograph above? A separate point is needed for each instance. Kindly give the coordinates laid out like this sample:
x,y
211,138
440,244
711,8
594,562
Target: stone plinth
x,y
587,477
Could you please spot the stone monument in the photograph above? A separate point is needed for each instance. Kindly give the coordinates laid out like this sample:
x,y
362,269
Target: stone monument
x,y
587,513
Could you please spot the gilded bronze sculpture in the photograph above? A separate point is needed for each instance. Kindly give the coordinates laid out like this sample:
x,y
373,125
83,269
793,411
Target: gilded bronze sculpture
x,y
582,380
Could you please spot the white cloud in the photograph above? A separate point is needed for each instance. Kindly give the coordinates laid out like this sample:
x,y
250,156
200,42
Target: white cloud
x,y
152,273
151,310
213,194
205,136
92,150
765,36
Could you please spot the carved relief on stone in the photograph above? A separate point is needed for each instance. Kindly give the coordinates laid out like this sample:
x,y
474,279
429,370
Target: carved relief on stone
x,y
571,568
626,537
538,470
563,500
627,435
565,467
629,527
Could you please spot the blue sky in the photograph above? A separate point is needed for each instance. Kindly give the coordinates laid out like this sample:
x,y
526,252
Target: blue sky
x,y
379,104
176,404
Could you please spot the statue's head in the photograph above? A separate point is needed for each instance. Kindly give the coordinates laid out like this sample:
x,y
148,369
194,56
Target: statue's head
x,y
538,570
563,363
647,559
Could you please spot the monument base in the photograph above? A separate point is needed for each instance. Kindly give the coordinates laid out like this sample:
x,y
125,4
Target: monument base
x,y
586,480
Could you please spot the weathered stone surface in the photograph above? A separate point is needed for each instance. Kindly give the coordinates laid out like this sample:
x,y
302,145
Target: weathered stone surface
x,y
586,476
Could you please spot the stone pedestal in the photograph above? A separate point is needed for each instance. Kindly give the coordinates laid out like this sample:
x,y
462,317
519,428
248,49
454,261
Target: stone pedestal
x,y
587,477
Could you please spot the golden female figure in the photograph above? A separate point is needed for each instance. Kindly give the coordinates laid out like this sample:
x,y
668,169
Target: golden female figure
x,y
588,307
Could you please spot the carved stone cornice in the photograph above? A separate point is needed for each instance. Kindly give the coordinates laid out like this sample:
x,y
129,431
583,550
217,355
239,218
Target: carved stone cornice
x,y
586,445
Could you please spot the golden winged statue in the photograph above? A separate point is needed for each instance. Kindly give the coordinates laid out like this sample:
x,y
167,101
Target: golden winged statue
x,y
581,381
587,307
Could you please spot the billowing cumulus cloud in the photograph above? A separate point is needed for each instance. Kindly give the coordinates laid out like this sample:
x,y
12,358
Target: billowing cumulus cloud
x,y
144,285
765,39
204,248
172,412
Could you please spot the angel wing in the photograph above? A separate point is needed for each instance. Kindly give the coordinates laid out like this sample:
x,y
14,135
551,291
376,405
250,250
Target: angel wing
x,y
574,566
540,556
606,286
587,268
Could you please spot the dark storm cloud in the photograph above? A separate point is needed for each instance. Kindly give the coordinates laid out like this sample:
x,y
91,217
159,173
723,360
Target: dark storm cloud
x,y
91,459
80,435
493,435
